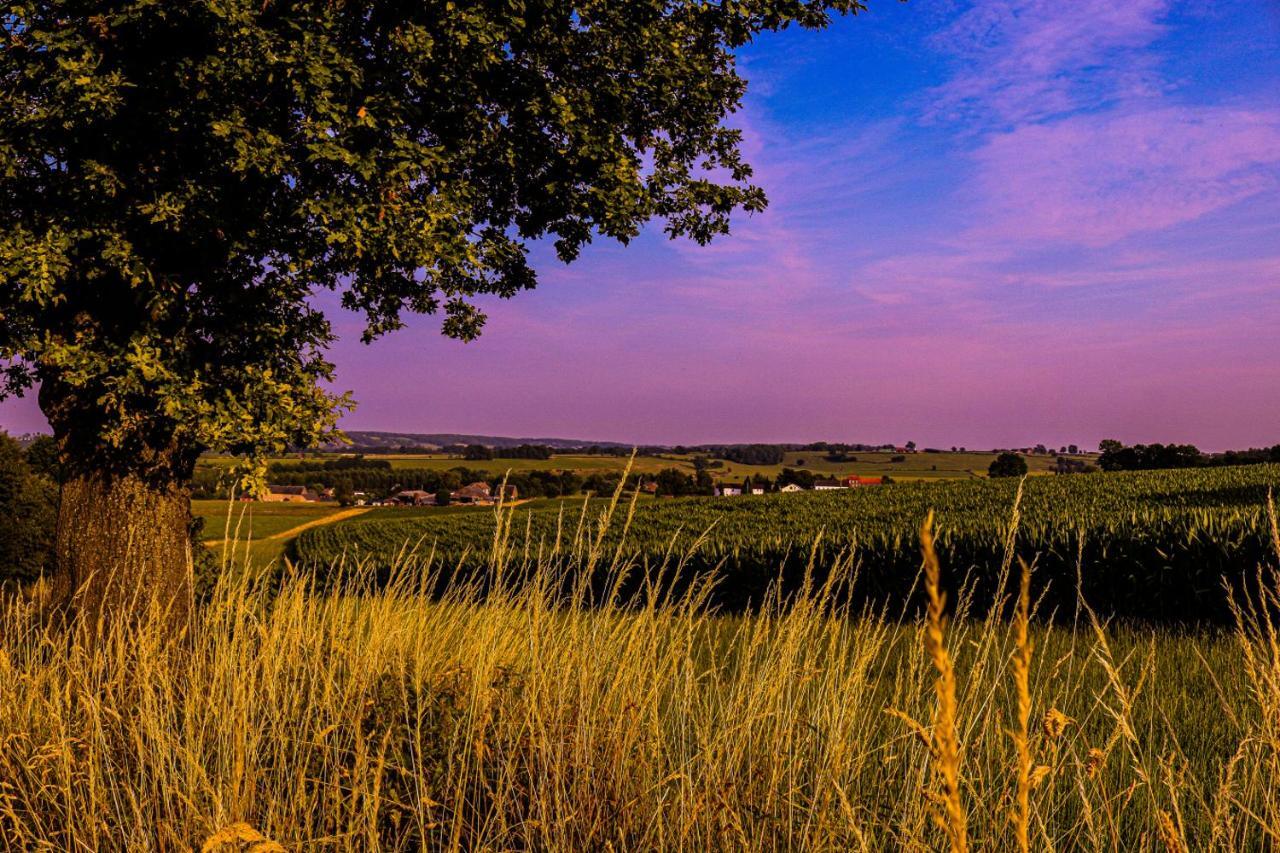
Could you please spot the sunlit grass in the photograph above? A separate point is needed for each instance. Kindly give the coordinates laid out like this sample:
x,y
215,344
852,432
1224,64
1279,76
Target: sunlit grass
x,y
522,719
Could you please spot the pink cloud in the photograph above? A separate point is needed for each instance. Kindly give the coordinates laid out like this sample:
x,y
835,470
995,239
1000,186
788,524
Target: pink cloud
x,y
1096,179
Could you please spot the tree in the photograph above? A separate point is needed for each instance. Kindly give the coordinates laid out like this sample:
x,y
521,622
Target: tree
x,y
1007,465
477,453
443,497
178,182
28,504
673,482
911,446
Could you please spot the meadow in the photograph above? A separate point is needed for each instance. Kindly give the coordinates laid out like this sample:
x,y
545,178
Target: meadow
x,y
503,715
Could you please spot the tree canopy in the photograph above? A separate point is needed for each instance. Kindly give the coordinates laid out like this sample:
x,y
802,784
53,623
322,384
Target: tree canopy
x,y
1007,465
181,183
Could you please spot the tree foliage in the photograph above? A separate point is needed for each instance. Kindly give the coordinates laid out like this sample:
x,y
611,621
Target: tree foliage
x,y
182,183
1007,465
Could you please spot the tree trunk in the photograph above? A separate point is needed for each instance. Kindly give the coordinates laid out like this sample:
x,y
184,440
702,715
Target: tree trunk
x,y
123,546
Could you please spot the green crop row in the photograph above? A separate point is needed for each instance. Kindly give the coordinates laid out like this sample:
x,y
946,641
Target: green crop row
x,y
1149,544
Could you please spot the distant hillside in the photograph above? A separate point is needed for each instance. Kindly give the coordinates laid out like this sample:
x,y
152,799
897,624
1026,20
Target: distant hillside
x,y
372,440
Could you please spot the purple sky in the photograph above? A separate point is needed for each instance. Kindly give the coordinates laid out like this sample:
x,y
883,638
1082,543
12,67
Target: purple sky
x,y
992,223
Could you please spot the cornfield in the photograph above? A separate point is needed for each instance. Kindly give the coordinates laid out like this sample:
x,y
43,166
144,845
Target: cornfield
x,y
1142,545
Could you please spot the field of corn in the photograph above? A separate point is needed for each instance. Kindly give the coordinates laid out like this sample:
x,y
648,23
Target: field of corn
x,y
1146,545
515,708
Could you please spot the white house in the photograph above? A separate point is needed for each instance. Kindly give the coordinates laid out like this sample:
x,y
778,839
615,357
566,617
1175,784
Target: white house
x,y
725,490
828,485
791,487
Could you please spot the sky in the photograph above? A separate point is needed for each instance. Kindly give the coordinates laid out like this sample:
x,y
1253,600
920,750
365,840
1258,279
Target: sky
x,y
991,224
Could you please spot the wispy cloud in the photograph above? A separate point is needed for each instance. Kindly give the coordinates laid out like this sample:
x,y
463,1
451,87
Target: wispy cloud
x,y
1097,178
1026,60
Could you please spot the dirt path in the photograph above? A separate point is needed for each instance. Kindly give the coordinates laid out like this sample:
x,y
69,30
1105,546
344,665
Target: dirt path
x,y
342,515
318,522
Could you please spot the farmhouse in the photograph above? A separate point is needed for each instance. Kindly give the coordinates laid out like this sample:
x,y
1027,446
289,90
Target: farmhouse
x,y
827,485
288,494
474,493
413,497
853,481
728,489
790,487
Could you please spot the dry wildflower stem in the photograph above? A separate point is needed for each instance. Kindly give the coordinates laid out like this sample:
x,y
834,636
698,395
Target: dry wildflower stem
x,y
946,741
1022,684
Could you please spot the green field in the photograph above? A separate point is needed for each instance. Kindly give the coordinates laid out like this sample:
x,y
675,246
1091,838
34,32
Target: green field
x,y
915,466
263,529
1151,543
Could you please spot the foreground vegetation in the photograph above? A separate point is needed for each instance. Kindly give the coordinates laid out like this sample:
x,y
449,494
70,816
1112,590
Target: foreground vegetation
x,y
1152,545
522,719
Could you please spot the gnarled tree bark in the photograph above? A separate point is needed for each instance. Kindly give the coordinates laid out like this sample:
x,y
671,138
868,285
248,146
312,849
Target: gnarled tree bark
x,y
123,546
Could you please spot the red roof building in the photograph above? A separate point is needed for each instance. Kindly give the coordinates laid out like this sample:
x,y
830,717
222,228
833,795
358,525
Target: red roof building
x,y
853,481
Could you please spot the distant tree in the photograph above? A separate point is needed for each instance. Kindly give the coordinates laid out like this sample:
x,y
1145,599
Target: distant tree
x,y
1073,449
1040,449
28,516
477,453
443,496
1110,445
1007,465
911,446
674,483
569,482
802,478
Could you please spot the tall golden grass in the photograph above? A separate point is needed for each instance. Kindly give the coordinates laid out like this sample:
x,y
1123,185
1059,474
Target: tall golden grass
x,y
298,719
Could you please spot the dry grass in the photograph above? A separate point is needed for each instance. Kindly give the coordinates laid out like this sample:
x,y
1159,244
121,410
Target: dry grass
x,y
520,720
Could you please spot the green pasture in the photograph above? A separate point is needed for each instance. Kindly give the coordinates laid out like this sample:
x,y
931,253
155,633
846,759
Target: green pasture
x,y
914,466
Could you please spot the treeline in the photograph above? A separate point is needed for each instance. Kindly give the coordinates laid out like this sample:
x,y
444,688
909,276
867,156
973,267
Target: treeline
x,y
342,463
1116,456
380,481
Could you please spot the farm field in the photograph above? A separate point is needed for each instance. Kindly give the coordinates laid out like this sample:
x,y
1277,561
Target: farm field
x,y
393,721
915,466
265,530
1145,544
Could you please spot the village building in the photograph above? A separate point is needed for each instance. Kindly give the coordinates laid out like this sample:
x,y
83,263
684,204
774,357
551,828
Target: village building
x,y
854,481
728,489
413,497
288,494
473,493
790,487
826,485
